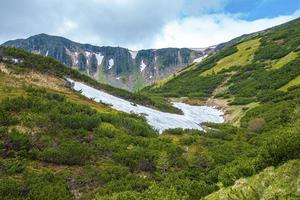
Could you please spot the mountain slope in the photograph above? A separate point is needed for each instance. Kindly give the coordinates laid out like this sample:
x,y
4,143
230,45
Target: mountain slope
x,y
116,66
55,68
279,183
257,69
57,144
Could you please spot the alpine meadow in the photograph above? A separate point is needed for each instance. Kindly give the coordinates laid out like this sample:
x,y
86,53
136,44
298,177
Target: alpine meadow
x,y
79,121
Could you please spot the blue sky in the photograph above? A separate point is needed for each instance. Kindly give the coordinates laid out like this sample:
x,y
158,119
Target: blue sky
x,y
256,9
140,24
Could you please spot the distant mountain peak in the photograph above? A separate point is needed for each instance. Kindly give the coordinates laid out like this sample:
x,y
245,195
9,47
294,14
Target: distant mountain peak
x,y
117,66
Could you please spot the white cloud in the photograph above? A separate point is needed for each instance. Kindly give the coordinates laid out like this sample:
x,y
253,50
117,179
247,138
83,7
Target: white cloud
x,y
207,30
132,24
194,7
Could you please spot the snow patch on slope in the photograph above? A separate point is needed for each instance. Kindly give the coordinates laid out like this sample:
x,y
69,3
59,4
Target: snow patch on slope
x,y
142,66
87,53
197,60
192,118
133,54
111,63
99,58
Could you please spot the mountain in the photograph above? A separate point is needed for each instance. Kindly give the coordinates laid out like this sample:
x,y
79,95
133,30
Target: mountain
x,y
260,63
119,67
56,143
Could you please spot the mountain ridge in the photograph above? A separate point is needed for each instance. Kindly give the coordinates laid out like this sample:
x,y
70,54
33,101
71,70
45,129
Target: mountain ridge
x,y
117,66
56,143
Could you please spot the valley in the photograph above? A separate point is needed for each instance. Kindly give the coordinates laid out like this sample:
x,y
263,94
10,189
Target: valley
x,y
224,128
191,118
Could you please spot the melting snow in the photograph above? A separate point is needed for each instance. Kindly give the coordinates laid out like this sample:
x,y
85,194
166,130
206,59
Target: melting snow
x,y
87,53
143,66
99,58
111,63
133,54
192,118
197,60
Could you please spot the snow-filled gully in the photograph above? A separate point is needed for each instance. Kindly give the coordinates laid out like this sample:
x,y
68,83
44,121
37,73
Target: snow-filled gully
x,y
192,116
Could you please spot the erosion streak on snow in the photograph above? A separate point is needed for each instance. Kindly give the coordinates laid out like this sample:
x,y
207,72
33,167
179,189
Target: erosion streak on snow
x,y
192,118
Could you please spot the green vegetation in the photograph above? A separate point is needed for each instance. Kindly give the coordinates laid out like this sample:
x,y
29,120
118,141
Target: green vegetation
x,y
253,82
49,142
57,145
285,60
292,83
37,62
272,183
242,57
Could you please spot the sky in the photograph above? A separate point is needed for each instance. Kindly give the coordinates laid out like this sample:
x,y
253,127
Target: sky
x,y
143,24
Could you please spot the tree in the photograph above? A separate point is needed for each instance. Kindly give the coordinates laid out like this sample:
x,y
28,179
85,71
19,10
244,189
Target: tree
x,y
256,125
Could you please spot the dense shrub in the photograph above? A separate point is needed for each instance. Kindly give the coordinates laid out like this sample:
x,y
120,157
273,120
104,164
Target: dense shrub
x,y
256,125
68,152
280,147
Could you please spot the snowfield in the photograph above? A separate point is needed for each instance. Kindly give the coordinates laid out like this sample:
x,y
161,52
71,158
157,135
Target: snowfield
x,y
99,58
197,60
142,66
191,119
111,63
133,54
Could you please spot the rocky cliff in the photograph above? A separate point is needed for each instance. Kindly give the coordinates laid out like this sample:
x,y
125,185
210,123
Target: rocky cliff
x,y
120,67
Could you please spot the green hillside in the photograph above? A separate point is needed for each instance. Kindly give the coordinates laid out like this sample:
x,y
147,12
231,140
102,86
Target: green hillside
x,y
272,183
245,65
56,144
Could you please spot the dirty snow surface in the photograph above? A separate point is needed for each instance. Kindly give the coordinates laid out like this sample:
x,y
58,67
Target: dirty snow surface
x,y
191,119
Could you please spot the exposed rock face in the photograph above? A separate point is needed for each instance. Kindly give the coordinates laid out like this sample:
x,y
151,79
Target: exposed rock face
x,y
120,67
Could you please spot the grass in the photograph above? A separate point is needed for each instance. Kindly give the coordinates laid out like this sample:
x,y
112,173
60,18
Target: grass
x,y
272,183
238,112
242,57
170,77
285,60
100,76
140,83
294,82
10,87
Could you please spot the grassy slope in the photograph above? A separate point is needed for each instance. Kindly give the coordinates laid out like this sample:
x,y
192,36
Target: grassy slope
x,y
294,82
220,76
14,84
165,80
242,57
285,60
272,183
75,152
55,68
